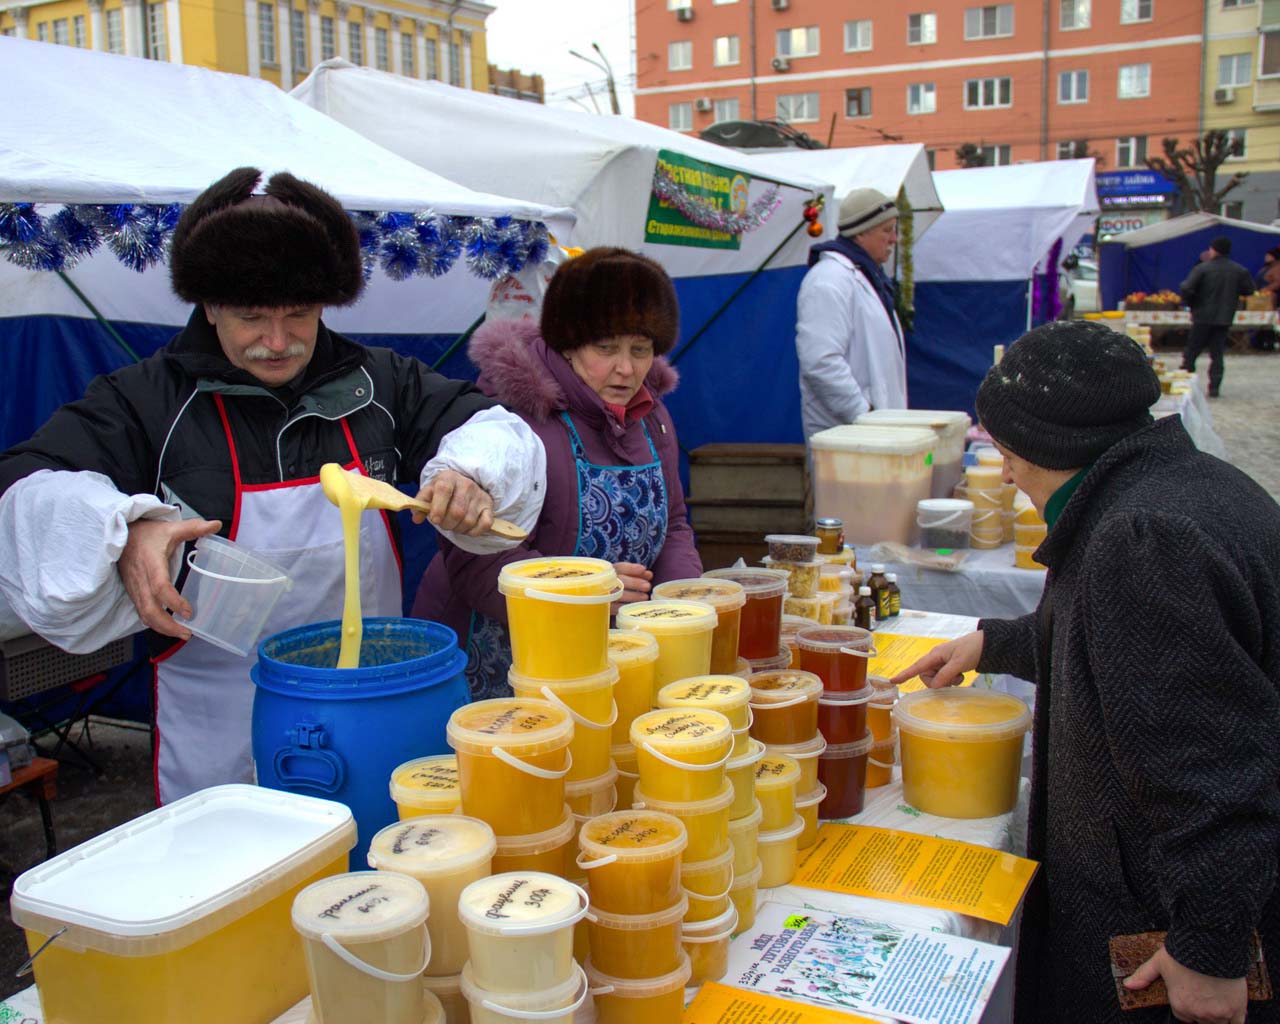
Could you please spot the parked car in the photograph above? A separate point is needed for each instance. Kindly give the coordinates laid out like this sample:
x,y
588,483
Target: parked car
x,y
1078,287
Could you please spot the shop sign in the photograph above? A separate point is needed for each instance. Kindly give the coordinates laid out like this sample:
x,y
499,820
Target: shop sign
x,y
721,186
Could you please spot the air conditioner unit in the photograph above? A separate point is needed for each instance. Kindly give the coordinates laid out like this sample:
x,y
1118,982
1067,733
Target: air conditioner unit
x,y
702,104
1221,96
781,5
781,64
684,14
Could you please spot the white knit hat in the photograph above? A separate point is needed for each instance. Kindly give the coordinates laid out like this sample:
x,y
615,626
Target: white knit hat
x,y
864,208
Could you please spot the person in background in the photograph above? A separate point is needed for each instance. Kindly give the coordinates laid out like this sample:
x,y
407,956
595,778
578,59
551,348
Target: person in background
x,y
224,430
1155,801
1213,290
589,380
848,338
1267,280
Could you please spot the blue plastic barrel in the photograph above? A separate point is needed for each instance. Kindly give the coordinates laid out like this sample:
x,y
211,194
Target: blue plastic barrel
x,y
339,733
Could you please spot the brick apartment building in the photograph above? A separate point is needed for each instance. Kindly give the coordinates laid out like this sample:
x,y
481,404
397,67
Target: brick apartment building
x,y
1027,80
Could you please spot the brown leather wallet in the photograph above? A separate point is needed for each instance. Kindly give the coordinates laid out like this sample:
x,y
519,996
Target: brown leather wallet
x,y
1129,952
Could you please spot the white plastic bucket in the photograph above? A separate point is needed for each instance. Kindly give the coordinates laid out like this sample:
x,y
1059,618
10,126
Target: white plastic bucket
x,y
944,522
232,592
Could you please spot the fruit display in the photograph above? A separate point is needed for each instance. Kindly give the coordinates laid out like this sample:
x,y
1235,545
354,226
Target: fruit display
x,y
1164,299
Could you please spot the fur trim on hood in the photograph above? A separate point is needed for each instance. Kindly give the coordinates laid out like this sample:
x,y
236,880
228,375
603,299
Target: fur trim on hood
x,y
510,357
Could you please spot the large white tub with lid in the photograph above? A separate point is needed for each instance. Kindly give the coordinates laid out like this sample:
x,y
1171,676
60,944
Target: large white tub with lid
x,y
950,429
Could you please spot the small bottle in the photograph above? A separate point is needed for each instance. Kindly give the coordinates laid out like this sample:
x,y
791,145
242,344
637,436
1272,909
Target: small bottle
x,y
864,609
895,595
879,585
830,533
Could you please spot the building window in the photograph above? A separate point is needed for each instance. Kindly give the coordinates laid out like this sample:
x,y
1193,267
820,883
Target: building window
x,y
42,32
1233,69
1237,138
678,5
1073,87
432,67
62,31
1237,3
680,117
406,54
77,31
1131,151
267,33
1135,10
355,42
857,36
921,98
157,41
1233,210
328,41
680,55
382,49
726,110
455,63
995,156
798,42
980,93
857,102
298,38
988,22
1073,14
726,50
922,29
115,30
1066,151
717,3
1270,54
931,157
801,106
1135,81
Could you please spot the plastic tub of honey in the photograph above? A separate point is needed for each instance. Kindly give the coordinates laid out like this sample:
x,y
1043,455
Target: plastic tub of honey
x,y
513,756
555,1005
777,663
706,885
636,945
843,770
448,990
682,752
842,613
727,598
741,773
802,577
785,706
520,930
838,655
624,759
1029,536
744,834
727,694
589,702
842,717
558,614
806,756
137,931
742,668
984,477
706,821
802,607
762,614
684,631
807,808
366,947
707,944
426,785
445,853
1024,558
639,1001
743,896
776,779
834,577
791,625
826,607
961,750
880,707
880,761
589,798
779,854
632,860
635,653
551,851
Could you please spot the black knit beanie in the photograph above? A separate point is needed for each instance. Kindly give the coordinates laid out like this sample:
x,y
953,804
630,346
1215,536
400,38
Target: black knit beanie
x,y
1221,245
1066,392
607,293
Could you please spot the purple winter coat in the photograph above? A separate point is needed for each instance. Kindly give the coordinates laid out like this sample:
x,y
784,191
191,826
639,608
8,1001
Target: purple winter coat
x,y
520,371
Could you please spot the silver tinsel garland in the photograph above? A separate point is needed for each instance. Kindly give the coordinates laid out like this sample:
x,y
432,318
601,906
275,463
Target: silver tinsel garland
x,y
706,214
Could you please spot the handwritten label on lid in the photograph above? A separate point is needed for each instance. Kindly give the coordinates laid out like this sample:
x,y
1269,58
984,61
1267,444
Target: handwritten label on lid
x,y
681,725
666,612
442,776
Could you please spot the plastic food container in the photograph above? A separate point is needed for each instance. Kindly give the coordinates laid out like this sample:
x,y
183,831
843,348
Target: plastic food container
x,y
744,834
838,655
513,756
638,1001
777,663
682,752
683,630
791,625
444,853
426,785
142,929
520,930
742,668
776,778
833,577
1031,536
624,759
806,756
802,577
944,522
881,760
801,607
1024,558
558,614
880,707
762,614
706,821
792,547
589,702
961,750
636,945
591,797
779,854
365,942
842,613
727,598
987,531
987,479
807,808
950,431
706,886
551,851
842,717
635,653
743,896
785,705
707,945
505,1007
232,593
448,991
843,770
741,773
826,607
729,695
632,860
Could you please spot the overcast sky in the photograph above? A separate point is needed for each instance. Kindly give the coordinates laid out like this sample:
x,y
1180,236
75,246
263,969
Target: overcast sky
x,y
536,36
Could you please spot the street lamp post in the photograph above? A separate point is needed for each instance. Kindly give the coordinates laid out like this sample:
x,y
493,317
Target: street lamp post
x,y
607,69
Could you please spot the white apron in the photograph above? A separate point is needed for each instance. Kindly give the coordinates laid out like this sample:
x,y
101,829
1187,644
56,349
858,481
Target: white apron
x,y
203,694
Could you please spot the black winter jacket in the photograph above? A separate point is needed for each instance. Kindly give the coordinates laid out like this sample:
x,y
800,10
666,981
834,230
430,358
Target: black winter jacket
x,y
1213,290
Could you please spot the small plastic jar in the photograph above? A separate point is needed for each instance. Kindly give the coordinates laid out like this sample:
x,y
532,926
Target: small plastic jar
x,y
727,694
834,578
426,785
843,770
802,577
591,797
589,702
558,614
635,654
744,836
741,774
551,851
792,547
624,759
705,821
880,761
706,886
632,860
807,808
448,990
636,945
776,778
791,625
804,607
806,756
684,631
513,1007
785,706
639,1001
682,752
707,944
727,598
837,655
743,896
842,716
762,614
779,854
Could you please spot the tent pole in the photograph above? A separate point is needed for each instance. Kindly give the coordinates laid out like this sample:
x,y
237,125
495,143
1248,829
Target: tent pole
x,y
98,316
462,340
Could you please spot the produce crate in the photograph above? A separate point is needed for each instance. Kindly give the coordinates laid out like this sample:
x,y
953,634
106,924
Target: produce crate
x,y
745,473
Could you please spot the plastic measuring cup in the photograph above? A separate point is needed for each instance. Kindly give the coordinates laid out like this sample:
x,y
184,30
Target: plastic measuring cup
x,y
550,851
520,930
743,895
366,946
554,1005
762,613
707,944
785,706
807,808
624,759
512,759
743,839
843,770
682,752
706,886
231,592
727,694
776,778
636,945
806,756
632,860
779,854
589,798
635,653
641,1000
961,750
838,655
705,821
741,773
558,614
727,598
426,785
842,717
589,702
445,853
683,630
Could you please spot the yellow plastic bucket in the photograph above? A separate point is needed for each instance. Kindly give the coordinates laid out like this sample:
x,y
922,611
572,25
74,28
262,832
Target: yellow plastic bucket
x,y
706,886
589,798
807,808
706,822
806,756
743,895
744,834
683,630
632,860
426,785
551,851
728,694
589,702
741,773
635,653
624,759
779,854
558,614
776,778
682,752
727,598
707,943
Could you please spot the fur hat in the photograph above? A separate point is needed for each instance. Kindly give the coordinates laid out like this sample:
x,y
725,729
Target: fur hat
x,y
863,209
608,292
1221,245
293,246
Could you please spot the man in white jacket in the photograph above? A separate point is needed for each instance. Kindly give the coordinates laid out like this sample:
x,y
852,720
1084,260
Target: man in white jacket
x,y
848,339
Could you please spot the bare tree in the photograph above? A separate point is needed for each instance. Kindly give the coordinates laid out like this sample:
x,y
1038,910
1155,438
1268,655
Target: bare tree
x,y
1080,151
970,155
1194,169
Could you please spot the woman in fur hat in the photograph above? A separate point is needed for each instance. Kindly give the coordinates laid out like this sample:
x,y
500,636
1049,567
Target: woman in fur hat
x,y
589,380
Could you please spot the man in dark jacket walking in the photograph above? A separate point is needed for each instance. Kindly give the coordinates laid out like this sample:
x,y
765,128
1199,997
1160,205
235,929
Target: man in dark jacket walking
x,y
1212,290
1155,795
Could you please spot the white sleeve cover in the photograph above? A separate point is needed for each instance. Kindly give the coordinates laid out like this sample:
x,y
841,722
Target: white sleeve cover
x,y
61,534
497,450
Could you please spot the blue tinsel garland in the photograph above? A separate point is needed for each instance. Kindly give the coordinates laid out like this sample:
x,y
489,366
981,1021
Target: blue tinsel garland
x,y
403,244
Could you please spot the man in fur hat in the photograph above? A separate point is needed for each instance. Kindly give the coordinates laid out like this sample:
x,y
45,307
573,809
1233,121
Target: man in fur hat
x,y
224,430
